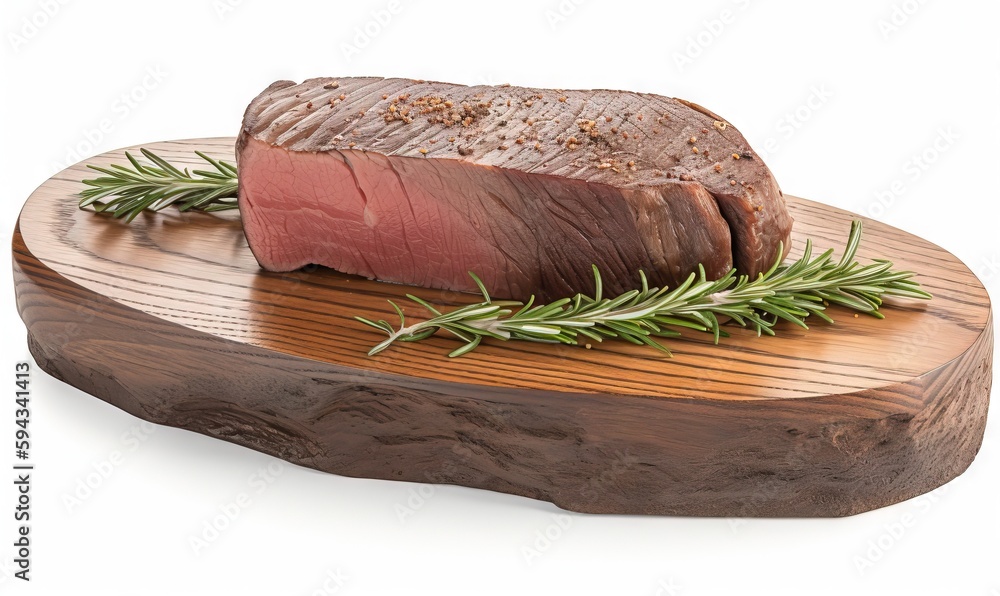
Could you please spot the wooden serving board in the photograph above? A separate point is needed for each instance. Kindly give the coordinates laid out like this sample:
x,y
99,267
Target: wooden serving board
x,y
171,319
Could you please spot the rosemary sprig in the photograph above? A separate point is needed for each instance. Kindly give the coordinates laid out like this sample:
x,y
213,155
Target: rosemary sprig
x,y
791,292
154,187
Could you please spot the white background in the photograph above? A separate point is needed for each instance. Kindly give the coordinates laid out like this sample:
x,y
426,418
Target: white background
x,y
868,85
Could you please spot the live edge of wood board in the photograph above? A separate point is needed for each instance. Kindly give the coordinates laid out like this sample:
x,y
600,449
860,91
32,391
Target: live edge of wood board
x,y
170,319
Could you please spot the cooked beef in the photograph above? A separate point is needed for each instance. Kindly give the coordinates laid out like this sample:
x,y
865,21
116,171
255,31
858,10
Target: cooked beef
x,y
419,183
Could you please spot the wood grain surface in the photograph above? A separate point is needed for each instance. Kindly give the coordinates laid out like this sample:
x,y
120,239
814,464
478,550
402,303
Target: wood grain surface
x,y
171,319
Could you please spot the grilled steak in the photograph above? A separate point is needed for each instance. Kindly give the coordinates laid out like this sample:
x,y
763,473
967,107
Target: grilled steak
x,y
420,182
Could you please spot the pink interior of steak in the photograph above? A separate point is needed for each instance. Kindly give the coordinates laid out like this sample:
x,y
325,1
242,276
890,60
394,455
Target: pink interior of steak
x,y
428,222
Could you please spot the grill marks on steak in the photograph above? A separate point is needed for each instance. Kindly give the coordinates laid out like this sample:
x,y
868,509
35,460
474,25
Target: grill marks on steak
x,y
420,182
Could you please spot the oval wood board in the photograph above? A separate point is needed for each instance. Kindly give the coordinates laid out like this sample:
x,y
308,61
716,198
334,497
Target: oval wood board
x,y
171,319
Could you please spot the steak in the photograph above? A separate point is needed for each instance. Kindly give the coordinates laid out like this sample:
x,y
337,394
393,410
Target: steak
x,y
420,182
